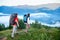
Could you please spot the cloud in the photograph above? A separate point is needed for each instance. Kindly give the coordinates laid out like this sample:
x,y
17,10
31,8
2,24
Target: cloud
x,y
32,21
40,15
47,16
57,24
20,16
26,2
4,20
4,14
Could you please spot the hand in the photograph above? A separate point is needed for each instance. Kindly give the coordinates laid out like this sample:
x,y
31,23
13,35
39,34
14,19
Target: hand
x,y
18,25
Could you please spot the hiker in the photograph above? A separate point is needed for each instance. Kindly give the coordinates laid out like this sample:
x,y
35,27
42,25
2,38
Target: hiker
x,y
27,21
14,23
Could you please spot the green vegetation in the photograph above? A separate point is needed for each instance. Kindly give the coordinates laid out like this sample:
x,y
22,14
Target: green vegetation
x,y
2,27
33,34
36,32
21,24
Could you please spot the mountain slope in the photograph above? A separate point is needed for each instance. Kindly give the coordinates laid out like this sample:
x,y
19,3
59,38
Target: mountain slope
x,y
27,8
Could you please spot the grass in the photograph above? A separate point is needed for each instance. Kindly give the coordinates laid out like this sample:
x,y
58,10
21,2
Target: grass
x,y
33,34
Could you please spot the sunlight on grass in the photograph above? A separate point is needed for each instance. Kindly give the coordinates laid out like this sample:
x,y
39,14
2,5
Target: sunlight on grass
x,y
33,34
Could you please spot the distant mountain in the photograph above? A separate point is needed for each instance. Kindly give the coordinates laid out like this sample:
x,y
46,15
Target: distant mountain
x,y
52,8
48,6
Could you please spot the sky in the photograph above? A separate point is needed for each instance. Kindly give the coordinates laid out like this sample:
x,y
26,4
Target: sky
x,y
26,2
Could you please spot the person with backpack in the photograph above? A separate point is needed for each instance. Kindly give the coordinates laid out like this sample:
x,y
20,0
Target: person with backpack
x,y
27,21
14,23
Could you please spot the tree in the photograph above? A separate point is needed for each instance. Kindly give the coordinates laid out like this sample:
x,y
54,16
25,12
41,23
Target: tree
x,y
36,24
10,27
21,24
2,27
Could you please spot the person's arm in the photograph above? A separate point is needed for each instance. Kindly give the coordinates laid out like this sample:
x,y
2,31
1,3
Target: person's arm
x,y
17,22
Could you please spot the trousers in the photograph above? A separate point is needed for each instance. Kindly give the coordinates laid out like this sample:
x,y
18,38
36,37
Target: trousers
x,y
14,30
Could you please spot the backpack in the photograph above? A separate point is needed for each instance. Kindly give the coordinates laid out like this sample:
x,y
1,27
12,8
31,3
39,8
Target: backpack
x,y
25,18
12,19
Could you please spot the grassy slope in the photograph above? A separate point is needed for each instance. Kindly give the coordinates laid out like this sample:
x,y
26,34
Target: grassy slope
x,y
33,34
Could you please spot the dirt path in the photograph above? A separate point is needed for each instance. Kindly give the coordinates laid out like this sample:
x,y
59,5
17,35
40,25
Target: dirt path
x,y
3,38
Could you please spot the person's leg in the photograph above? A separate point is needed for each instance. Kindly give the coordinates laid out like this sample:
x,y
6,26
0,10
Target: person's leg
x,y
14,28
28,26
